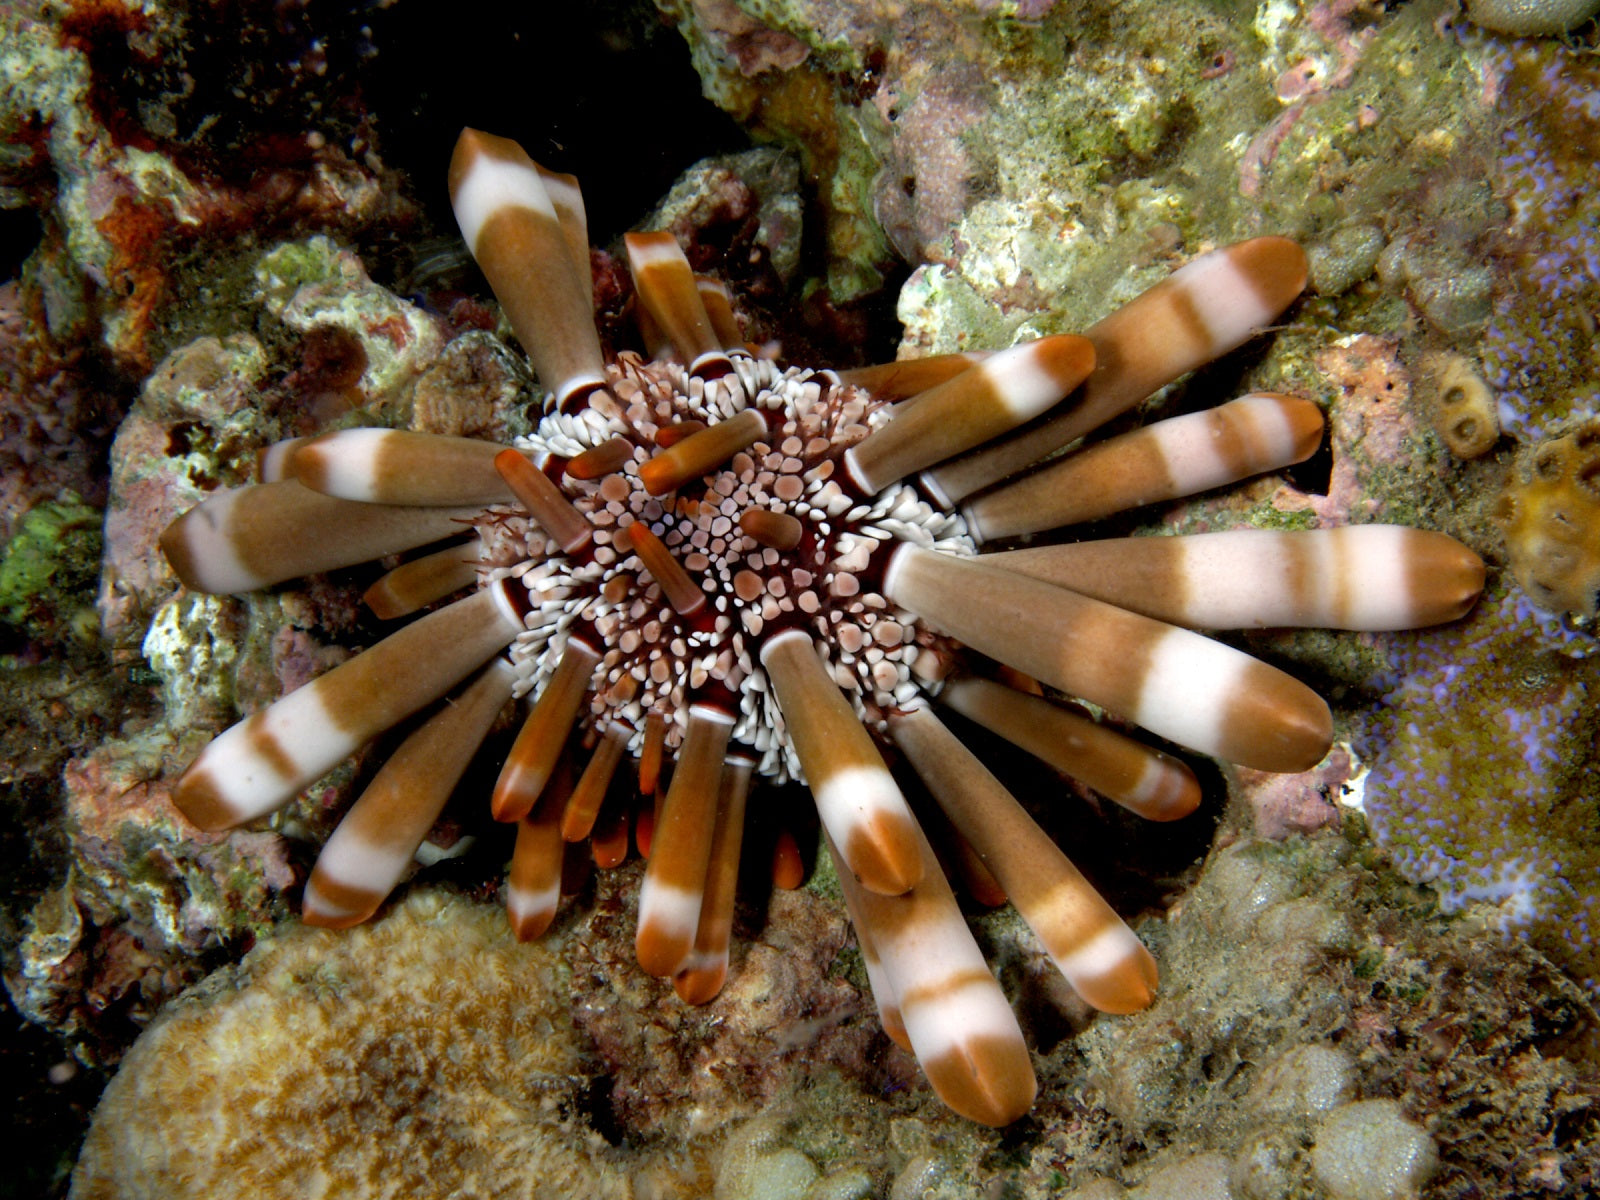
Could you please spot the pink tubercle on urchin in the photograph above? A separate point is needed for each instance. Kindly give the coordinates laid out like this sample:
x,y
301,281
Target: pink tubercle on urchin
x,y
753,572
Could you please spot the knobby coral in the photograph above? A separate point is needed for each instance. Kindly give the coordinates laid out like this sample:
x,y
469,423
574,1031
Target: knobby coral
x,y
464,1049
774,574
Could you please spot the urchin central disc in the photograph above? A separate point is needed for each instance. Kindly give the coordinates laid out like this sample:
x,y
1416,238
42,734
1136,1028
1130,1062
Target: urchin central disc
x,y
768,536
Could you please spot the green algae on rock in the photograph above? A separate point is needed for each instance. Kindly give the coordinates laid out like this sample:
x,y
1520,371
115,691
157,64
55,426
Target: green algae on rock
x,y
1538,350
46,567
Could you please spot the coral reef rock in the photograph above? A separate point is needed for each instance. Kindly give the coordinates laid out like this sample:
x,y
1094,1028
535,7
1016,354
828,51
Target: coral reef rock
x,y
1332,1034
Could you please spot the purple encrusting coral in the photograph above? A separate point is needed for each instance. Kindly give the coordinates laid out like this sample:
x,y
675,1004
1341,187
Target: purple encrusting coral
x,y
1538,348
1486,776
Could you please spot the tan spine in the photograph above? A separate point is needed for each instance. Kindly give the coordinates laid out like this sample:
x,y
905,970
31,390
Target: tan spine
x,y
1143,780
674,882
1180,456
378,838
513,230
860,806
544,734
666,287
1099,955
1202,310
703,974
1175,683
995,396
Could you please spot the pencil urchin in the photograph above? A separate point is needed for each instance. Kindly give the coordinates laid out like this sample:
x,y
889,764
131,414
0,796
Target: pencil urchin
x,y
760,574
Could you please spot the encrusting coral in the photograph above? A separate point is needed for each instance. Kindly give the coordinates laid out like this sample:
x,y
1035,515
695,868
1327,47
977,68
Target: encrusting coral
x,y
1363,994
1484,773
1538,348
700,554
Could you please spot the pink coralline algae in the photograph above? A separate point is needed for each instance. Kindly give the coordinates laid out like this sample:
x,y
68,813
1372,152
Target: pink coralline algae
x,y
1486,774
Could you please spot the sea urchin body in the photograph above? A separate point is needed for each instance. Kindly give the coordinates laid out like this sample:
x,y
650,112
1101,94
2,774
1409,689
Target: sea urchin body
x,y
761,574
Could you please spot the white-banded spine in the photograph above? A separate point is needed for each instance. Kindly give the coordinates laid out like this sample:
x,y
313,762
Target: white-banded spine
x,y
954,1014
1143,780
666,287
1002,392
260,763
1180,456
394,466
255,536
860,805
1200,311
584,805
1366,577
680,853
1175,683
533,883
533,755
377,839
703,973
1100,956
512,228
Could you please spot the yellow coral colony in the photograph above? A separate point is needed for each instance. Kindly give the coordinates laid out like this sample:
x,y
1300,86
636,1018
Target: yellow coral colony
x,y
1550,512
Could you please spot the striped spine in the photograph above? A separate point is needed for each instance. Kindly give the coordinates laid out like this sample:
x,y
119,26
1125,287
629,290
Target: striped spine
x,y
544,734
1173,682
1200,311
954,1016
1098,954
255,536
703,973
533,883
1180,456
666,287
1003,391
512,227
1143,780
1366,577
378,838
680,853
860,806
393,466
260,763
